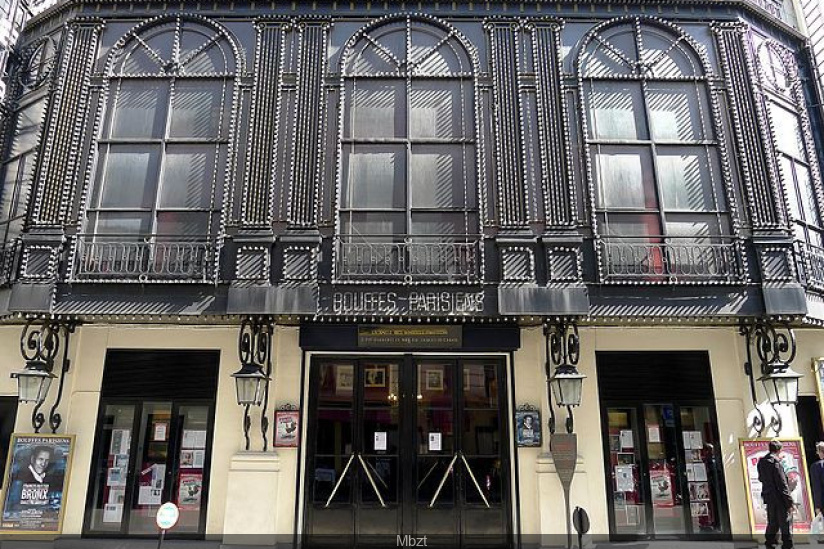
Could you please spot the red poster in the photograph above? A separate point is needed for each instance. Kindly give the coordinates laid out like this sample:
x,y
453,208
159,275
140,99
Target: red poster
x,y
189,491
792,457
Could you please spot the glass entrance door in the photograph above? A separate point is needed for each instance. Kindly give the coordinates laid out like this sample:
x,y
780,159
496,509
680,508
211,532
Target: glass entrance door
x,y
407,447
664,471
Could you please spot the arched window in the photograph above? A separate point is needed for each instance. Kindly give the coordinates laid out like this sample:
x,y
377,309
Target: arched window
x,y
163,150
799,172
659,203
408,198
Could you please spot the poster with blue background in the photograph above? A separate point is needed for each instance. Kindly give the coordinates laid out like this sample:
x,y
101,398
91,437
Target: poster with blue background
x,y
36,479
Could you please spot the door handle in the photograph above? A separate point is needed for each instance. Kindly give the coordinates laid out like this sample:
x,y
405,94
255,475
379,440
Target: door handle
x,y
474,480
443,480
371,481
337,484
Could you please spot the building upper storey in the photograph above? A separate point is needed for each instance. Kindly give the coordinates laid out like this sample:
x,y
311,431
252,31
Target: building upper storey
x,y
412,159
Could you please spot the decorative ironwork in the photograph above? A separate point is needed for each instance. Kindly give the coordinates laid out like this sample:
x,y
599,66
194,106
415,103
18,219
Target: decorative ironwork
x,y
255,349
775,349
40,342
563,351
414,258
810,264
671,259
143,261
8,258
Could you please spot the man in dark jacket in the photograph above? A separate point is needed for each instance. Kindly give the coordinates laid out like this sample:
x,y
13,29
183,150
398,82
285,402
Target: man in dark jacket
x,y
775,491
817,482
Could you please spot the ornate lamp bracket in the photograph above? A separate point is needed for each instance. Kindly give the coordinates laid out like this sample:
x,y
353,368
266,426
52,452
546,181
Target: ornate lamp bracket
x,y
41,342
255,351
563,351
771,348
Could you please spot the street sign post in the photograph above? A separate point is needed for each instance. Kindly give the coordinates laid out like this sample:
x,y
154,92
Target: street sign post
x,y
166,518
564,450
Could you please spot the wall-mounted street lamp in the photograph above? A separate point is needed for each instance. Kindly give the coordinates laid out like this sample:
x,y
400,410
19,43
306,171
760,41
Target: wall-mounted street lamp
x,y
40,344
565,382
775,349
252,380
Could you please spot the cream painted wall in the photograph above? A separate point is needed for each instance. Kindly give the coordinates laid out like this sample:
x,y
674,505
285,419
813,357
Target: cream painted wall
x,y
541,502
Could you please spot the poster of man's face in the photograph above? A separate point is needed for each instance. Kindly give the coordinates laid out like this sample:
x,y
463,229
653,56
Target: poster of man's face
x,y
36,481
528,428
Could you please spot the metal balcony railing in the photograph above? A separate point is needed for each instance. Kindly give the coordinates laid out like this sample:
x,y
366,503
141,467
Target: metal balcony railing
x,y
413,258
670,260
105,259
810,264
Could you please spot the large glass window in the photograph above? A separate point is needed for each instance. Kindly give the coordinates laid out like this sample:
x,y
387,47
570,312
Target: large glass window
x,y
408,149
162,153
654,161
799,172
8,413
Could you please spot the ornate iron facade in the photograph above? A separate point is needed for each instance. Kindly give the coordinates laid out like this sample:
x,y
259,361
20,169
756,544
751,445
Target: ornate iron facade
x,y
534,238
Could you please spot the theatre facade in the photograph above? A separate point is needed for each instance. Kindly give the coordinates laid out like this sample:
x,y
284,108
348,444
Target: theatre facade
x,y
329,273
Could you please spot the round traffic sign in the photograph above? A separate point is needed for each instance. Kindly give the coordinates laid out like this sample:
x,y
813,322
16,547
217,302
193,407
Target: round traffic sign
x,y
167,516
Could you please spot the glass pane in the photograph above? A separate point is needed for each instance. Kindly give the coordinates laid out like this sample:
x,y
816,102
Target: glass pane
x,y
439,223
481,432
123,224
787,131
687,179
334,432
336,385
188,174
790,186
111,468
665,56
702,454
376,109
138,61
625,177
374,176
665,483
375,224
808,198
435,433
28,127
627,505
193,422
616,111
188,224
9,196
440,109
435,384
380,385
634,225
197,108
207,60
140,109
678,111
327,475
483,476
384,473
162,42
431,471
149,479
429,53
380,431
440,175
615,54
130,177
480,385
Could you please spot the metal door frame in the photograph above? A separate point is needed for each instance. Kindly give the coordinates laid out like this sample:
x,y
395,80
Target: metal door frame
x,y
407,360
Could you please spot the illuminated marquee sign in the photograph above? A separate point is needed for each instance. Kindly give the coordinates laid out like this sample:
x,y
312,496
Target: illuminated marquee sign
x,y
389,302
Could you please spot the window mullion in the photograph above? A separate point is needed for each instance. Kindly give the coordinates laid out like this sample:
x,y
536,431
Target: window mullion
x,y
162,159
654,158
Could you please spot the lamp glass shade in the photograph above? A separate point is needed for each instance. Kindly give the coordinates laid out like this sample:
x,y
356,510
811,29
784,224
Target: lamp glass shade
x,y
567,386
249,383
32,384
782,387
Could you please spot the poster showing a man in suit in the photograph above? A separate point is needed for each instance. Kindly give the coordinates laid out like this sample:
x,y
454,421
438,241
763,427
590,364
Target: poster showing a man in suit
x,y
36,475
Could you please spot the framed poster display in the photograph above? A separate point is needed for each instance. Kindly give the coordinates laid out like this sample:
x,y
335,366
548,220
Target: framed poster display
x,y
37,476
794,462
287,424
528,426
818,376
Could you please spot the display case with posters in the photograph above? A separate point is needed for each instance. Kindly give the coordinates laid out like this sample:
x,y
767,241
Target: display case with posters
x,y
793,459
36,479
